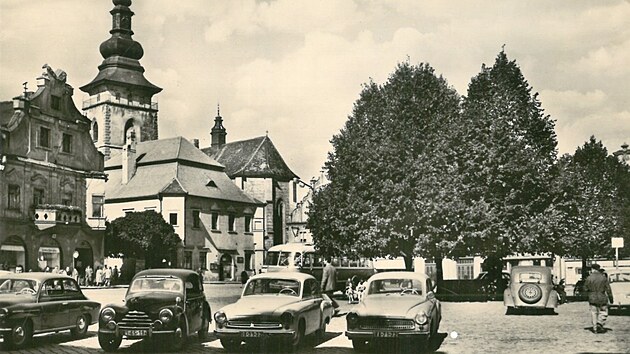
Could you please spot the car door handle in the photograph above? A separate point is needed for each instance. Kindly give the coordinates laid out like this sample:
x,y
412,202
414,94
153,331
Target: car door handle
x,y
64,304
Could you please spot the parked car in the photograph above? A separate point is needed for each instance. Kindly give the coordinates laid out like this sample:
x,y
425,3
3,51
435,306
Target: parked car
x,y
280,305
33,303
620,285
395,305
167,303
531,287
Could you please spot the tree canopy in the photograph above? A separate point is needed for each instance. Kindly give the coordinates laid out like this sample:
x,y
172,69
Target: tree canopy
x,y
144,235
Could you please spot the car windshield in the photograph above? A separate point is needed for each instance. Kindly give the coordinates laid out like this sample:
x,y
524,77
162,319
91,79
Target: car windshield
x,y
395,285
530,277
174,285
8,286
619,277
266,286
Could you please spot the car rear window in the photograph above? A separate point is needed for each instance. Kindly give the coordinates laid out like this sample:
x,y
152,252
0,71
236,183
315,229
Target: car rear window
x,y
530,277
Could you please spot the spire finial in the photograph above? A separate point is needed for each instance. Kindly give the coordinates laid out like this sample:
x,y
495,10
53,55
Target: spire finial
x,y
218,110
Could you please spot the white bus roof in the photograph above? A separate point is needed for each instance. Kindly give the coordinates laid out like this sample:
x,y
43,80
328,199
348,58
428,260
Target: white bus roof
x,y
293,247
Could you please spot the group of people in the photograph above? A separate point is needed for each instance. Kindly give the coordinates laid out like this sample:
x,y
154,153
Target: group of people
x,y
353,291
103,276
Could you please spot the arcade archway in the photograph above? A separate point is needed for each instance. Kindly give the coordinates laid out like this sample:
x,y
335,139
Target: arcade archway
x,y
13,253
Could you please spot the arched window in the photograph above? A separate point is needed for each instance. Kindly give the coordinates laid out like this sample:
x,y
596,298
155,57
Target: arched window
x,y
94,130
128,126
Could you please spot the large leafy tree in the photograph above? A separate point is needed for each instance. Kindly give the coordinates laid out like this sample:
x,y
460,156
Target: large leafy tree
x,y
389,169
506,162
145,235
592,197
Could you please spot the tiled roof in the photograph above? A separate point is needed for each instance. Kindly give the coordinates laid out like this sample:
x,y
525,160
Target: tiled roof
x,y
256,158
172,166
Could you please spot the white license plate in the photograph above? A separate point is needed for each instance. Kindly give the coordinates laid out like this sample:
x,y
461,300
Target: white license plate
x,y
251,334
386,334
135,332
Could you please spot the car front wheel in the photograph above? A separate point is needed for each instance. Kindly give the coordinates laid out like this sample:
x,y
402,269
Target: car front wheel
x,y
360,345
109,342
21,334
231,345
205,326
179,339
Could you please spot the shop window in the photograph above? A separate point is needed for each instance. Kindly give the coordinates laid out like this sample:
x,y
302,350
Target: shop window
x,y
187,259
196,221
215,221
38,196
248,224
231,222
172,217
66,143
13,195
97,206
203,259
44,137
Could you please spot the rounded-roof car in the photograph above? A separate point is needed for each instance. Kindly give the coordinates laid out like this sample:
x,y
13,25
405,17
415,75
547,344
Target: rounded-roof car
x,y
159,303
531,287
33,303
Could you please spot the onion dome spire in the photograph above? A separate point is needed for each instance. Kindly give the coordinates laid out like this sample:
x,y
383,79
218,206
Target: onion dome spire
x,y
121,54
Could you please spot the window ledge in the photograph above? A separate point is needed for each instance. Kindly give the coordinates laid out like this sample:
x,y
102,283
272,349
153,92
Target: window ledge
x,y
232,232
249,233
216,231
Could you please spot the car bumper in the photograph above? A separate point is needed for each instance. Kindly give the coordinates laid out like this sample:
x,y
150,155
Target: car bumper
x,y
135,333
229,333
372,335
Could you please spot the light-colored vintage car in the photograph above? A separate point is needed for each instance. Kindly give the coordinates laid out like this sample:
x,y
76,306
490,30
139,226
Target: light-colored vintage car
x,y
160,303
34,303
531,287
399,306
282,305
620,286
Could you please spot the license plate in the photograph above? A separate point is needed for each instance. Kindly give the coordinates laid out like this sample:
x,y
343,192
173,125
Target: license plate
x,y
135,332
386,334
251,334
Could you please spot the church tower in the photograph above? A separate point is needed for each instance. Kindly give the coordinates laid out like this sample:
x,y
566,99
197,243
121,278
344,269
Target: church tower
x,y
120,96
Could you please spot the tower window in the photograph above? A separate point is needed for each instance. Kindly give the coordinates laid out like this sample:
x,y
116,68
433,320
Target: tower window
x,y
172,219
215,221
97,206
94,131
231,222
248,224
196,221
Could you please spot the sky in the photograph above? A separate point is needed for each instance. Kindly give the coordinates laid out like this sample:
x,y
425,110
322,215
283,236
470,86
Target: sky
x,y
293,69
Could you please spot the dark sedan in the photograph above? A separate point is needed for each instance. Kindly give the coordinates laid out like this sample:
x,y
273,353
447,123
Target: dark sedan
x,y
32,303
168,303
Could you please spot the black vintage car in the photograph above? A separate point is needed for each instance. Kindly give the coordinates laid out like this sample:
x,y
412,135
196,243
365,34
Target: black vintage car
x,y
166,303
32,303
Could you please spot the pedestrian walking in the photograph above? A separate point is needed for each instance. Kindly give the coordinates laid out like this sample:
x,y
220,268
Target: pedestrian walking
x,y
115,275
98,279
108,276
88,275
329,281
244,277
599,295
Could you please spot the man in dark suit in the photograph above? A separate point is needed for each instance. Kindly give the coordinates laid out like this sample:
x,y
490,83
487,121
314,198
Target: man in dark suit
x,y
329,281
599,294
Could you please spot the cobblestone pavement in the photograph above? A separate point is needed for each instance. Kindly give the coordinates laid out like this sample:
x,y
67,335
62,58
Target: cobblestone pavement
x,y
471,328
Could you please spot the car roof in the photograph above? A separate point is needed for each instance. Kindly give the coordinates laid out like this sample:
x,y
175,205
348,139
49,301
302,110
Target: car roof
x,y
39,276
175,272
399,274
283,275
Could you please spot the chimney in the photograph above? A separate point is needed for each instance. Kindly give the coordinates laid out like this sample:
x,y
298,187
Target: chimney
x,y
196,143
129,157
218,132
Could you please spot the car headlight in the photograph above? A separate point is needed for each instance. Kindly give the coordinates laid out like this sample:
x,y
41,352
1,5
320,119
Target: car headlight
x,y
421,318
3,313
166,315
220,317
108,314
287,320
352,318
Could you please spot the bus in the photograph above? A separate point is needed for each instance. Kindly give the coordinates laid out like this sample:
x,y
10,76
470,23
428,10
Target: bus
x,y
302,257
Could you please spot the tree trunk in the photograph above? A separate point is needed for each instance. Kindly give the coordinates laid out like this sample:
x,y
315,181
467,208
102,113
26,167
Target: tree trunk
x,y
584,268
408,263
439,273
